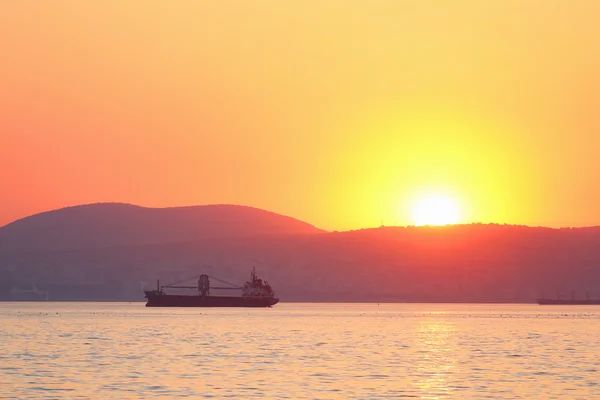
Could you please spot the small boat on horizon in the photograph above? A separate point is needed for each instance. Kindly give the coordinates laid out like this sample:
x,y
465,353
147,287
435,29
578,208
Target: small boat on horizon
x,y
568,302
255,293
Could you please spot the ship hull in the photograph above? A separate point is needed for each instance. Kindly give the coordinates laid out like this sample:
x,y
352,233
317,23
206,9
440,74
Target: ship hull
x,y
572,302
174,300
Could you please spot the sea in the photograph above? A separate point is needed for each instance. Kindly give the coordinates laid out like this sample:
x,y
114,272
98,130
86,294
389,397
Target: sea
x,y
299,351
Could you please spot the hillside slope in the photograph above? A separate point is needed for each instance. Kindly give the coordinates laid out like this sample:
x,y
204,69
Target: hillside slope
x,y
117,224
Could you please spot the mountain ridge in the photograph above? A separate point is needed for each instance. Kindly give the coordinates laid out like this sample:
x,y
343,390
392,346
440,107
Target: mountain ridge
x,y
108,224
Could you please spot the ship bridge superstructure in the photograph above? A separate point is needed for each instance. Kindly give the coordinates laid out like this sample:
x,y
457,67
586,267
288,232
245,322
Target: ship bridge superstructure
x,y
256,287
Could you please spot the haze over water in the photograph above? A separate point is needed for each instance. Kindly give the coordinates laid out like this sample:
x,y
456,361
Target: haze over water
x,y
428,351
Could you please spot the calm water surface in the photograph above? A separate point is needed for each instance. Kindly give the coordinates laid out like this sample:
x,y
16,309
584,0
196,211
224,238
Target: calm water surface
x,y
299,351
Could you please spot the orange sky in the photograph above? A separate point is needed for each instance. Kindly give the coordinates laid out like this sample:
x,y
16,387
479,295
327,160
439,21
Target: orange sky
x,y
337,112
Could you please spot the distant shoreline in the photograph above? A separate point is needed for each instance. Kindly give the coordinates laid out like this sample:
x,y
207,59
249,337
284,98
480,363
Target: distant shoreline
x,y
281,302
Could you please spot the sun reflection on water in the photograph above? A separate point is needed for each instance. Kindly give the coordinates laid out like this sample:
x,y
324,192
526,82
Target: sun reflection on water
x,y
437,358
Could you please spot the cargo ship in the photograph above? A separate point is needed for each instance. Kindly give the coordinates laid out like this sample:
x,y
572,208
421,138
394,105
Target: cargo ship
x,y
568,302
254,293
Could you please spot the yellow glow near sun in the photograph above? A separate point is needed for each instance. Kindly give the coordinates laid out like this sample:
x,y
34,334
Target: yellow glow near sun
x,y
435,210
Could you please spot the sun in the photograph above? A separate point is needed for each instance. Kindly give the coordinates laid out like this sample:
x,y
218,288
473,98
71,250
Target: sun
x,y
435,210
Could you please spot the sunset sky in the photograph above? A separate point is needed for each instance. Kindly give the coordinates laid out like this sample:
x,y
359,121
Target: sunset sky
x,y
340,113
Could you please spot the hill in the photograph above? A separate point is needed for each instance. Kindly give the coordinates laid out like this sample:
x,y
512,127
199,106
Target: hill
x,y
111,255
116,224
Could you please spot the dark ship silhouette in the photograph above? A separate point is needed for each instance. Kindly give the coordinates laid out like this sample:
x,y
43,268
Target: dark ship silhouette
x,y
568,302
255,293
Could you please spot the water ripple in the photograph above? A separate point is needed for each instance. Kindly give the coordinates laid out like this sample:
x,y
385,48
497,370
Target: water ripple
x,y
297,351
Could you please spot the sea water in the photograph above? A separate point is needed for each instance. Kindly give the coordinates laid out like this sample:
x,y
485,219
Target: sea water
x,y
299,351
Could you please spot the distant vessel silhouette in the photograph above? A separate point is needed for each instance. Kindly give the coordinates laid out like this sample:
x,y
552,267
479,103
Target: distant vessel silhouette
x,y
17,293
255,293
572,301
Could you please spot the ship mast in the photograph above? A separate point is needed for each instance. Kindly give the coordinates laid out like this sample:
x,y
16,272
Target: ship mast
x,y
203,285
